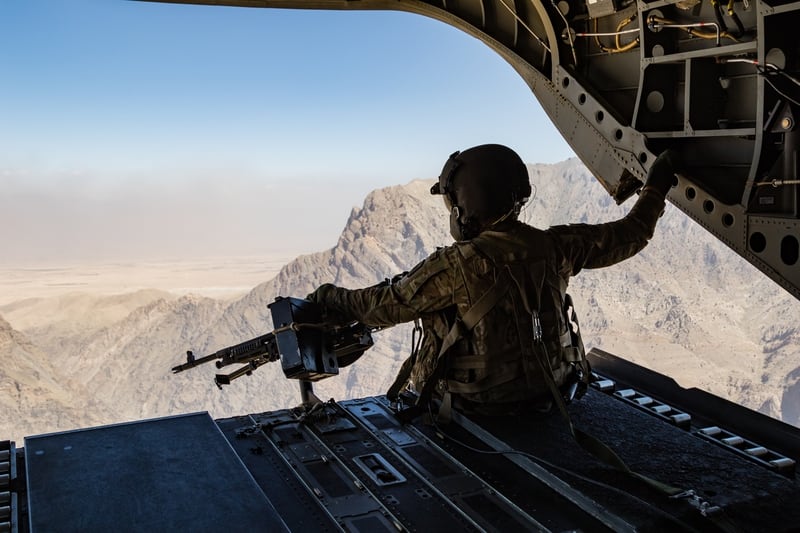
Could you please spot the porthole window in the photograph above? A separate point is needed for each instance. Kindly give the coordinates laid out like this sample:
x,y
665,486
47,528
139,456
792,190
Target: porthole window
x,y
758,243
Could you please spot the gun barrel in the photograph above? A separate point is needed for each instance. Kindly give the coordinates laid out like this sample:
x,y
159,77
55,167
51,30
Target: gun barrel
x,y
191,363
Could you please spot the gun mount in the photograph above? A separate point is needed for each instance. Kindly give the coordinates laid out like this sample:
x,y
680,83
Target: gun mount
x,y
309,349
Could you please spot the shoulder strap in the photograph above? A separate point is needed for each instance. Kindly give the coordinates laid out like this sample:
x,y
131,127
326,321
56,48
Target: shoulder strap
x,y
478,310
461,326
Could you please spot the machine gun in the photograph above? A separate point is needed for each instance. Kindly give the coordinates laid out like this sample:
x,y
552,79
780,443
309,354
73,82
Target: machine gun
x,y
309,350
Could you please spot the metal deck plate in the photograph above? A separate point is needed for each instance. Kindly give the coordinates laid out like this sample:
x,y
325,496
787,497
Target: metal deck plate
x,y
176,473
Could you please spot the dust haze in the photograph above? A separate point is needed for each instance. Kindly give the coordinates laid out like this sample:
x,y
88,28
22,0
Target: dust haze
x,y
74,218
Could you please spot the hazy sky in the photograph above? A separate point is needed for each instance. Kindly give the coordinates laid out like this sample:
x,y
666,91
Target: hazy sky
x,y
131,129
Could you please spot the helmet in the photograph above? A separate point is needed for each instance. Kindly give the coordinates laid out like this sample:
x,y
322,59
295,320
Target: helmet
x,y
483,185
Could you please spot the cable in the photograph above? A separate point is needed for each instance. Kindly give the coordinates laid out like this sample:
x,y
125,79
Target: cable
x,y
792,100
766,70
522,22
538,460
597,36
749,61
790,78
569,33
689,28
526,213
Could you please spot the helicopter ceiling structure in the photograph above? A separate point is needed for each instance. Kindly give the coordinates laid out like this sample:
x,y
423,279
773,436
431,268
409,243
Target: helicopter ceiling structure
x,y
622,80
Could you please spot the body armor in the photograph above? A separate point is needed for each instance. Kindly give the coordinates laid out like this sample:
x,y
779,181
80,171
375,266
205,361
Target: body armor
x,y
501,359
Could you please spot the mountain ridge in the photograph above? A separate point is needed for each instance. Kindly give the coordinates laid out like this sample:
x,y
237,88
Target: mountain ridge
x,y
649,309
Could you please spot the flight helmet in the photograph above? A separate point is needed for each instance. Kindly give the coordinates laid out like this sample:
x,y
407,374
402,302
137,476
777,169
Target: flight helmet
x,y
482,186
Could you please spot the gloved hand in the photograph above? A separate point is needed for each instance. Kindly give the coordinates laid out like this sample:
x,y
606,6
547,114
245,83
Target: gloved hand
x,y
325,296
661,175
322,294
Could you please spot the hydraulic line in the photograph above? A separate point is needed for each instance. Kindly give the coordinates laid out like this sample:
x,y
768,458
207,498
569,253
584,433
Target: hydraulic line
x,y
621,25
616,34
775,183
655,23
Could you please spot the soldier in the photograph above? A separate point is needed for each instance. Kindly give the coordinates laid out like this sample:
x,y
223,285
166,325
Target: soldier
x,y
496,340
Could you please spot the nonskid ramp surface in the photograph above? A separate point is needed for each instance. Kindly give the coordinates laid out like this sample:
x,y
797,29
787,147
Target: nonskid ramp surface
x,y
733,491
169,474
355,466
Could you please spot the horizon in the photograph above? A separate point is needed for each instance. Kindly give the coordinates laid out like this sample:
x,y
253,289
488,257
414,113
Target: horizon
x,y
172,271
185,223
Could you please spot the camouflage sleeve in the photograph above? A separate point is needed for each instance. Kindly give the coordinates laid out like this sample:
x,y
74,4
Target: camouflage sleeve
x,y
428,287
599,245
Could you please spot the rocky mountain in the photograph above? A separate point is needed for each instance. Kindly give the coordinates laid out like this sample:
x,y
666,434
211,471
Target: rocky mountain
x,y
58,323
686,306
34,396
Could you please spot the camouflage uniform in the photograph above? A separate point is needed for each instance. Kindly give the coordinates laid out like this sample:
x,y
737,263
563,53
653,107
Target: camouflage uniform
x,y
493,363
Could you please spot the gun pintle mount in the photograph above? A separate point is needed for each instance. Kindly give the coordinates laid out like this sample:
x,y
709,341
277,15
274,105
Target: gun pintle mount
x,y
308,349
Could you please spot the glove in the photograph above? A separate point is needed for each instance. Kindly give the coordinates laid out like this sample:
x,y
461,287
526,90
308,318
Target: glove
x,y
325,297
322,294
661,175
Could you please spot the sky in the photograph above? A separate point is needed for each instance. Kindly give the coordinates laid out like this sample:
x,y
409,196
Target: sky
x,y
134,129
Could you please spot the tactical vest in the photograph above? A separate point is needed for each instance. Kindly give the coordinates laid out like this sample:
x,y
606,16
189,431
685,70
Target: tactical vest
x,y
495,362
494,359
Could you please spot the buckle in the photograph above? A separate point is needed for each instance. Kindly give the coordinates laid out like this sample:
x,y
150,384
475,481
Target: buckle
x,y
706,508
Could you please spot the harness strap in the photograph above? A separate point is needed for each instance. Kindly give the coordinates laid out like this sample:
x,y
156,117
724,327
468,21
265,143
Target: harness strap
x,y
566,339
492,380
462,325
592,444
402,378
588,442
575,352
572,354
467,362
